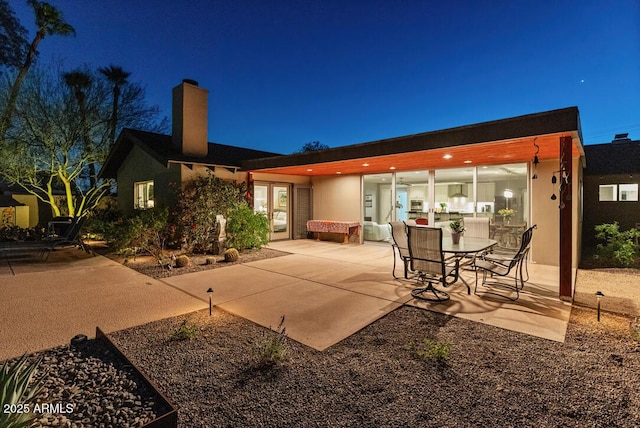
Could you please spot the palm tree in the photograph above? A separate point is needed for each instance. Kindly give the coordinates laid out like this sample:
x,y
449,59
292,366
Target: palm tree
x,y
118,77
78,82
49,21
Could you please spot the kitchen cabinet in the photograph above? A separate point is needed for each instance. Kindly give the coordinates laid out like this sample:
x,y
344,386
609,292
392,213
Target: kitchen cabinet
x,y
486,192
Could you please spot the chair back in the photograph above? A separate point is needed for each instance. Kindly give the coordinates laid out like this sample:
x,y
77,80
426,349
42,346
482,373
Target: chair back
x,y
399,236
524,246
72,232
425,250
476,227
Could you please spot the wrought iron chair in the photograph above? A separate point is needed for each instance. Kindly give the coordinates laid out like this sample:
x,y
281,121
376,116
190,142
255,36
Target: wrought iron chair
x,y
401,245
505,265
430,264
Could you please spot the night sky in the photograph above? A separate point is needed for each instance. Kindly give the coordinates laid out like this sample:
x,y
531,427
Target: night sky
x,y
284,73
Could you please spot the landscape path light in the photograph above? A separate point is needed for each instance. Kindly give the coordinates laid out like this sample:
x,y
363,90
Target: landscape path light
x,y
599,296
210,293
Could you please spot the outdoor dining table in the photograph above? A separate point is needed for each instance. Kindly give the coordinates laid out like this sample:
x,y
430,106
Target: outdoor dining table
x,y
466,246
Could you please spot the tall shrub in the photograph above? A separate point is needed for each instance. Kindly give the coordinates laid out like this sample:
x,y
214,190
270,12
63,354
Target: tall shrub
x,y
246,228
616,247
198,204
145,230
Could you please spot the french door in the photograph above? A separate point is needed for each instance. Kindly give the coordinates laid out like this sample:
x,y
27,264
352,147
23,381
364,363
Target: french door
x,y
273,200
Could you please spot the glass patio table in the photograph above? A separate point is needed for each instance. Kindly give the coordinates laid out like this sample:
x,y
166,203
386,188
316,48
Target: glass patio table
x,y
466,247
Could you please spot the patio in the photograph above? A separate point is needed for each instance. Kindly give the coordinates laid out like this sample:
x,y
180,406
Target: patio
x,y
327,291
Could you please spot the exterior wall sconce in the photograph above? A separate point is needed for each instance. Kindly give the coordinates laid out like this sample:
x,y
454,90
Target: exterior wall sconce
x,y
599,296
210,293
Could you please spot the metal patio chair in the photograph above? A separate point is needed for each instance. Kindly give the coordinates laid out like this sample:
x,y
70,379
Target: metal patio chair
x,y
401,245
427,259
504,265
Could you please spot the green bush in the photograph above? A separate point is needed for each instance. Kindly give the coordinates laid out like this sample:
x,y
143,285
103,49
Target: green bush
x,y
144,230
231,255
197,206
431,350
18,389
616,248
17,233
185,331
247,229
273,348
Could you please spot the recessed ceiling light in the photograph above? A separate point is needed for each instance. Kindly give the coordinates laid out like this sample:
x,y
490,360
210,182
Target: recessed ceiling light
x,y
338,172
393,167
309,170
467,161
365,164
447,156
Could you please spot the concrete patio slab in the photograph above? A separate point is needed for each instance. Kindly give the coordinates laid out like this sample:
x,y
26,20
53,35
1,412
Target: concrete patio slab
x,y
316,315
229,283
47,305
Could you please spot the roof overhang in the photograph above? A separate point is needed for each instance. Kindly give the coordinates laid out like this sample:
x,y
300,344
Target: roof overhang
x,y
497,142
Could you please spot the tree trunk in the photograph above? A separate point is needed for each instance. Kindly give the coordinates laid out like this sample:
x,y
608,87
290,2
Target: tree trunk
x,y
5,120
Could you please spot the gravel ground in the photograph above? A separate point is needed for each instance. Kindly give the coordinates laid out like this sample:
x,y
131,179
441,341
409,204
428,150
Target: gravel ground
x,y
87,385
493,377
149,266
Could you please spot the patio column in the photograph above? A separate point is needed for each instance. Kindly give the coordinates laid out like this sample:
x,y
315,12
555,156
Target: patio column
x,y
566,226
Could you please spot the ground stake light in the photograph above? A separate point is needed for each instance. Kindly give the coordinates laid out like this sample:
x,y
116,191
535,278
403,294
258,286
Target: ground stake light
x,y
599,296
210,293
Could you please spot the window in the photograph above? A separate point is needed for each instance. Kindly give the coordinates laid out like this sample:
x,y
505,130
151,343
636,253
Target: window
x,y
608,192
143,195
628,192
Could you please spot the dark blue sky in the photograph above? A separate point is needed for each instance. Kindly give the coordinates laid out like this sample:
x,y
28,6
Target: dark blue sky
x,y
284,73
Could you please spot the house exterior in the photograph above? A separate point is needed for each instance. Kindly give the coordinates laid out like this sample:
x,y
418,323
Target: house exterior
x,y
21,208
611,185
146,165
469,171
474,170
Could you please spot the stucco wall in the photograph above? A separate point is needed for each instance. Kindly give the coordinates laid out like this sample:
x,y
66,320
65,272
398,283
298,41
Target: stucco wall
x,y
281,178
27,217
545,247
337,198
139,166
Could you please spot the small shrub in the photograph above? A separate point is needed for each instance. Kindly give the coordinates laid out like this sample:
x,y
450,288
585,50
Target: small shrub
x,y
182,261
246,228
231,255
17,388
145,230
184,331
210,261
273,348
431,350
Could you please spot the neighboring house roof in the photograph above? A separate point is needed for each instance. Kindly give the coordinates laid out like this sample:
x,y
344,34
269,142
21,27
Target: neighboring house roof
x,y
613,158
566,120
160,148
8,201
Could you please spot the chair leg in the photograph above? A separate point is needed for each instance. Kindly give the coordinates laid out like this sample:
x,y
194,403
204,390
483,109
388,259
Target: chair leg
x,y
429,290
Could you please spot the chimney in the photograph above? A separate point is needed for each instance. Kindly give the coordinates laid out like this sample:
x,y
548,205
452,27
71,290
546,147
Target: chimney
x,y
621,138
189,124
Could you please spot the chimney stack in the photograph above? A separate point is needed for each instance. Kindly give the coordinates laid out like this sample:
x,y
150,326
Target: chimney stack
x,y
189,122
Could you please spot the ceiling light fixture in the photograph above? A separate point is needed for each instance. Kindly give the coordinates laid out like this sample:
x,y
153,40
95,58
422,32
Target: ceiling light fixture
x,y
309,170
365,164
447,156
393,167
338,172
468,161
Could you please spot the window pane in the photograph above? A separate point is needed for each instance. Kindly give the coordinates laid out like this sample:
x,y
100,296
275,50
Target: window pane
x,y
608,192
628,192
